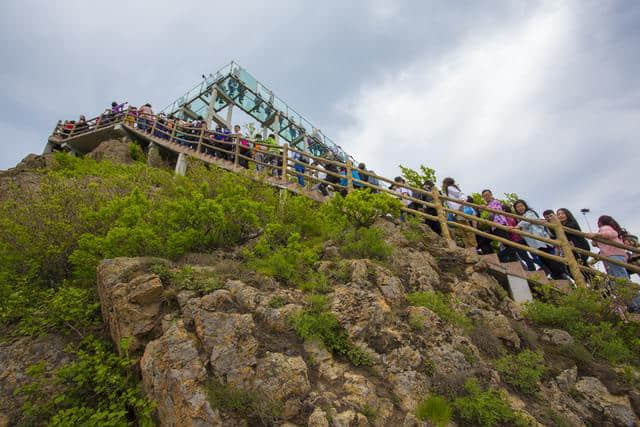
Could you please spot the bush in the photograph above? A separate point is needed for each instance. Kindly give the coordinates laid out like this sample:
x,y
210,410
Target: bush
x,y
244,403
585,314
98,389
136,153
439,303
362,207
434,409
317,322
523,371
366,243
485,407
290,263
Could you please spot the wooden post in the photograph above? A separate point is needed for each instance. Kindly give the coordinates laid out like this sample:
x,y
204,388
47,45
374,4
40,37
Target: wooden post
x,y
236,149
442,214
349,175
574,267
285,160
173,130
200,138
153,127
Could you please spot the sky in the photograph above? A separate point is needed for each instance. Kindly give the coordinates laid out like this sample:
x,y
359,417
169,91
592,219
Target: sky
x,y
540,98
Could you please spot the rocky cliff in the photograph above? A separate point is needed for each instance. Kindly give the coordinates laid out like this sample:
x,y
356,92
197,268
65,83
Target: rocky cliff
x,y
420,335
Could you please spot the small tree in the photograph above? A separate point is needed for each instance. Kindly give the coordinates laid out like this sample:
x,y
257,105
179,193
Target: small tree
x,y
417,179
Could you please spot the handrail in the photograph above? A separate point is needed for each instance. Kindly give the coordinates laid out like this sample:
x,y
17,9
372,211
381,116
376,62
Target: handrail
x,y
199,139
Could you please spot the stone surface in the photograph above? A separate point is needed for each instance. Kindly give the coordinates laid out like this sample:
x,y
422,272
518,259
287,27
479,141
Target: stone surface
x,y
173,372
318,418
114,150
131,306
616,409
499,326
557,336
567,378
228,340
282,378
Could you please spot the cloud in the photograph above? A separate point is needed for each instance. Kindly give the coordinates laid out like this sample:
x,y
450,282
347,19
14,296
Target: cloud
x,y
491,113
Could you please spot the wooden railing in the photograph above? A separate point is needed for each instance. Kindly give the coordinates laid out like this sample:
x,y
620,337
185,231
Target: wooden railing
x,y
281,161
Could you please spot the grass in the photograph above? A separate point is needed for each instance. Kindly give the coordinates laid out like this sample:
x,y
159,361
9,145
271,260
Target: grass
x,y
435,409
440,304
523,370
317,322
244,403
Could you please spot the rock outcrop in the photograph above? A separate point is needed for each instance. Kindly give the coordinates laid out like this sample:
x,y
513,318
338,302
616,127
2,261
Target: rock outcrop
x,y
195,345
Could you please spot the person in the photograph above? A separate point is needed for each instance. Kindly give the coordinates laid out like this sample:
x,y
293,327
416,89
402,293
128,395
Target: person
x,y
548,215
451,189
609,229
554,268
81,125
145,115
298,167
132,113
401,190
633,258
274,157
567,219
259,153
116,108
522,254
507,253
243,149
427,186
362,168
321,173
371,179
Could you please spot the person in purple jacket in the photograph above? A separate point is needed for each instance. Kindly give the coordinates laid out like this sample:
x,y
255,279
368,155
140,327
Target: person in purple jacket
x,y
507,253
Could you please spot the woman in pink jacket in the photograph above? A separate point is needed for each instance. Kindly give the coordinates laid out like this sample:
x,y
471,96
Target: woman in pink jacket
x,y
608,228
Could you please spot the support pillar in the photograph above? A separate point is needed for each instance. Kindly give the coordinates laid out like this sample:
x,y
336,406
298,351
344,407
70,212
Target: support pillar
x,y
181,164
229,116
211,109
153,155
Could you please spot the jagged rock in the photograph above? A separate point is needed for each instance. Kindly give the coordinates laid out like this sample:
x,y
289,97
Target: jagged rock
x,y
172,374
345,419
418,268
409,387
557,336
154,159
131,307
4,420
247,297
499,326
283,379
360,391
16,356
616,409
277,318
228,340
318,418
328,368
431,320
115,150
402,359
567,378
360,312
36,161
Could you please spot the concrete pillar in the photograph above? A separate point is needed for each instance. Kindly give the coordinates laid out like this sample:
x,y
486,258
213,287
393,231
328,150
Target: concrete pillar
x,y
229,116
519,288
181,164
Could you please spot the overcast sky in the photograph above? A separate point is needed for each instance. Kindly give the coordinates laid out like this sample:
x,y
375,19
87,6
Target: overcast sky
x,y
537,98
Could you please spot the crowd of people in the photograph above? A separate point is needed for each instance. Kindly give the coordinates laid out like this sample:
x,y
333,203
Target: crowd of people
x,y
330,176
504,226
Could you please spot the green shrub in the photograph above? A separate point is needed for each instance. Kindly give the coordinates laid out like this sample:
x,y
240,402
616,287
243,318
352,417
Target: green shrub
x,y
434,409
523,371
439,303
417,179
362,207
136,153
317,322
485,407
277,302
366,243
98,388
244,403
290,263
585,314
